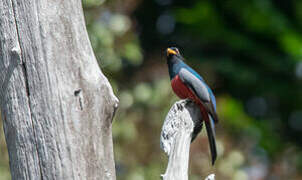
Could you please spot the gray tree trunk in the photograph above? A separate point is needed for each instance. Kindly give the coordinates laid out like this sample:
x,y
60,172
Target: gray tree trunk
x,y
57,106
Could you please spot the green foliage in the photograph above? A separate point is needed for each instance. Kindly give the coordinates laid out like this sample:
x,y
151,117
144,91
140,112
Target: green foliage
x,y
4,167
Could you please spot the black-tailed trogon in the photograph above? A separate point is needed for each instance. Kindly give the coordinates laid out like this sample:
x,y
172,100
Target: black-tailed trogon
x,y
188,84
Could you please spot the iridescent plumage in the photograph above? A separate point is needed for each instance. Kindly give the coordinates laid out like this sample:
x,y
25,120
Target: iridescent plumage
x,y
188,84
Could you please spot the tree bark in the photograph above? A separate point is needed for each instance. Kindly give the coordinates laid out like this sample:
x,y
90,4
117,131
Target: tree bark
x,y
180,127
57,106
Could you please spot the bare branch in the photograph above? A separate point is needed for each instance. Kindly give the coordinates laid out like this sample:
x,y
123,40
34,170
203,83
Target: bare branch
x,y
181,125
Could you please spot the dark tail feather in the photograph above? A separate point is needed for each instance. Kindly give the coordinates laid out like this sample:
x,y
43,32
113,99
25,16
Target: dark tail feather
x,y
197,129
210,126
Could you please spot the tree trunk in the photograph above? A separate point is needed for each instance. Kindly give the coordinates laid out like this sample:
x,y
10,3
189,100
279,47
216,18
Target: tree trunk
x,y
57,106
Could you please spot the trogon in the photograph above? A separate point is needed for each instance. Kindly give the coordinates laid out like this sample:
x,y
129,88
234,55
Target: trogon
x,y
188,84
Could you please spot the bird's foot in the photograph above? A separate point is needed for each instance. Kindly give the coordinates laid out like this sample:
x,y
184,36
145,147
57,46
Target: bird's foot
x,y
179,106
189,101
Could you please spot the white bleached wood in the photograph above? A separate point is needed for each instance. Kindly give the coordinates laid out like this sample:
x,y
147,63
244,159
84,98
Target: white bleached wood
x,y
176,136
57,106
210,177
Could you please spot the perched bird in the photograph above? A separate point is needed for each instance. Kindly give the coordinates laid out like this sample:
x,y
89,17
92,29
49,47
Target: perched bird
x,y
188,84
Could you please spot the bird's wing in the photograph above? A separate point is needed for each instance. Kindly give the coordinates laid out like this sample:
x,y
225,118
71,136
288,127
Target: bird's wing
x,y
195,84
210,108
200,89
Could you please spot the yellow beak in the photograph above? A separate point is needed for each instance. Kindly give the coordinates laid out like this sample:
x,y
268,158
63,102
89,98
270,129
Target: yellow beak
x,y
171,51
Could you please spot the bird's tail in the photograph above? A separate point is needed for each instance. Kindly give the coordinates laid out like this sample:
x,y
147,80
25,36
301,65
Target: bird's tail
x,y
210,126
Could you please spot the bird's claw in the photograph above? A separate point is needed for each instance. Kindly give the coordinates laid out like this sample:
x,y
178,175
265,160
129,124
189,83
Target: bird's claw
x,y
179,106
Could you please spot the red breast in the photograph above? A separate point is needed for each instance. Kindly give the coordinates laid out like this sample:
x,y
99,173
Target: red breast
x,y
181,90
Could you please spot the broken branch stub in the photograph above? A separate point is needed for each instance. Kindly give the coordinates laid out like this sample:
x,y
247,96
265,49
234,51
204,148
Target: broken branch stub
x,y
183,122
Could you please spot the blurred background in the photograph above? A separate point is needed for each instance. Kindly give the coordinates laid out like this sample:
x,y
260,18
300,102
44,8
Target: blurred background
x,y
249,52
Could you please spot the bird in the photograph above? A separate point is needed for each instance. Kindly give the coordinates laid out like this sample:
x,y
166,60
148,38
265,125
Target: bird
x,y
188,84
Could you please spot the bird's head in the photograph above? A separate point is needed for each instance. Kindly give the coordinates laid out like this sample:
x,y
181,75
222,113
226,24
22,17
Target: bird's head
x,y
172,52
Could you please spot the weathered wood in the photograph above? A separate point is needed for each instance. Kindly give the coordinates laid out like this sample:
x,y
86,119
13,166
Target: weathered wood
x,y
183,119
57,106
